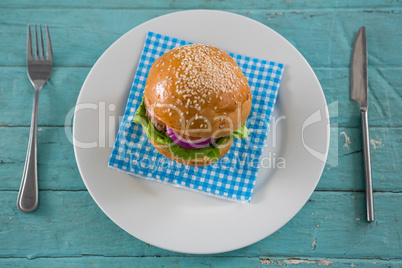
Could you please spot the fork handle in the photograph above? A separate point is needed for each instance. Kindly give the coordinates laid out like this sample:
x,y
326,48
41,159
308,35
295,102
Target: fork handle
x,y
28,195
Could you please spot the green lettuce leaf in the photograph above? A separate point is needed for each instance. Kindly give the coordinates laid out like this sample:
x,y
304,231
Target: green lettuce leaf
x,y
148,127
214,154
241,133
187,154
183,153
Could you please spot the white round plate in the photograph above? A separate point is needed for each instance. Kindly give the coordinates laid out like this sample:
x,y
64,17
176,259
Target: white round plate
x,y
178,219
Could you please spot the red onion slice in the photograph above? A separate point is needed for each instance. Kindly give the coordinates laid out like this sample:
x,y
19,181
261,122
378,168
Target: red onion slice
x,y
189,144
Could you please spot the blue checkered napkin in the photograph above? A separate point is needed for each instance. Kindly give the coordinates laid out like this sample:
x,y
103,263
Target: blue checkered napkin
x,y
233,176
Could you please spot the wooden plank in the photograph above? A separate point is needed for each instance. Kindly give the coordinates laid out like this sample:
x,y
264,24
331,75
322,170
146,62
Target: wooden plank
x,y
57,168
60,94
384,97
185,4
331,224
70,230
57,98
344,171
344,168
194,261
324,37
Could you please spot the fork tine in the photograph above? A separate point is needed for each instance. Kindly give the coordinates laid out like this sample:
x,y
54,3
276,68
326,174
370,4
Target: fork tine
x,y
42,50
29,44
49,45
36,43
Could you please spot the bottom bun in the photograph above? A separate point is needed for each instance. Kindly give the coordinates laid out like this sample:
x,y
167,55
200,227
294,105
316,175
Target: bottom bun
x,y
200,162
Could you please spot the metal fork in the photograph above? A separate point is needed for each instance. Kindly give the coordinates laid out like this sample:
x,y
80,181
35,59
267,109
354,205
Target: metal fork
x,y
39,69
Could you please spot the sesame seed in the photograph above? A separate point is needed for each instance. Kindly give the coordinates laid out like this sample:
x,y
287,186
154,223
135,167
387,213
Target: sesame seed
x,y
221,126
170,114
199,71
215,108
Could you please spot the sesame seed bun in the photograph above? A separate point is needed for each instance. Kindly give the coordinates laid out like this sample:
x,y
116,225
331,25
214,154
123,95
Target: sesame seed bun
x,y
200,162
198,91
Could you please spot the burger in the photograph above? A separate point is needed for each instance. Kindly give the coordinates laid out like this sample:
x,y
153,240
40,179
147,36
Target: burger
x,y
196,101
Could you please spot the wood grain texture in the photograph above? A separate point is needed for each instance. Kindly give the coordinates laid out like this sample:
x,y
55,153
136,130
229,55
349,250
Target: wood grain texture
x,y
70,230
384,96
344,171
324,36
196,4
344,168
59,96
331,224
196,261
57,168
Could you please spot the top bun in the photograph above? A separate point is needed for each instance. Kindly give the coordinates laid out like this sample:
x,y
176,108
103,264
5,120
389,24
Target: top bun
x,y
198,91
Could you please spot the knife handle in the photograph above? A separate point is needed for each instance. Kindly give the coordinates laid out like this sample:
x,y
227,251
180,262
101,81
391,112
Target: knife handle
x,y
367,167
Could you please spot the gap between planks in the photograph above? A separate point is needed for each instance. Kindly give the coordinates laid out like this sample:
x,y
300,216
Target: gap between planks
x,y
199,256
175,9
317,190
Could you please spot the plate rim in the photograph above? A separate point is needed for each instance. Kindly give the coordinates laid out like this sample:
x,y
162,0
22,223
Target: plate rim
x,y
322,96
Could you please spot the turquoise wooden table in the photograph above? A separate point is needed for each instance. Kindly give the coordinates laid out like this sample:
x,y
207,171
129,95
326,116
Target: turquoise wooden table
x,y
68,229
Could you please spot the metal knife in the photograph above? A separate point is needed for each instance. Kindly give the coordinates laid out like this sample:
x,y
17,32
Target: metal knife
x,y
359,93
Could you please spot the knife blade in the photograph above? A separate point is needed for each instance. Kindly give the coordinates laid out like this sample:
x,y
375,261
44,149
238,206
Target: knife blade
x,y
359,93
358,73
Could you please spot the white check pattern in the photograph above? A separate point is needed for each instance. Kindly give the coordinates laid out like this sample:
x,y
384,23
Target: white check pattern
x,y
233,176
